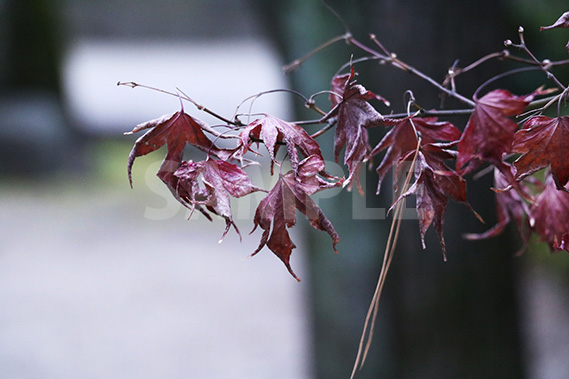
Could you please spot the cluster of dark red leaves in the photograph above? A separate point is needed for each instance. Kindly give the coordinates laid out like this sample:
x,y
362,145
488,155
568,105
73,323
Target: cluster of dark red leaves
x,y
426,145
208,185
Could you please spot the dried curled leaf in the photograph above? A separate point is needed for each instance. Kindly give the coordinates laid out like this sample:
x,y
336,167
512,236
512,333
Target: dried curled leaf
x,y
273,131
510,206
292,192
435,183
550,216
402,139
176,131
220,180
354,115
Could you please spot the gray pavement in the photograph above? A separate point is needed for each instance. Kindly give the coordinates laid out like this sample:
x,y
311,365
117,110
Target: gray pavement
x,y
91,288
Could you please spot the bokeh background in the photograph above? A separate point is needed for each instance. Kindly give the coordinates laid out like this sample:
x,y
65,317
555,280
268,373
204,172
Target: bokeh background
x,y
98,280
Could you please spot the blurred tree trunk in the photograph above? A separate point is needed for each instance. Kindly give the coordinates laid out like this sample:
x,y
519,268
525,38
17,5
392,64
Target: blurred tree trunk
x,y
35,138
437,320
32,52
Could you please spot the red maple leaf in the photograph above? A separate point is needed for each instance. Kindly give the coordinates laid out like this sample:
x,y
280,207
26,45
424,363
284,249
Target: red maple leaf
x,y
220,180
550,216
354,115
291,192
435,183
543,142
176,131
489,132
402,139
510,206
273,132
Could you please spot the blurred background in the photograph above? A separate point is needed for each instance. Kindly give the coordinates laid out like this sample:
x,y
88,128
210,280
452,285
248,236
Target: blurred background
x,y
98,280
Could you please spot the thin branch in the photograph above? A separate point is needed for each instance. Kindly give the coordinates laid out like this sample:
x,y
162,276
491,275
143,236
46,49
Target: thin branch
x,y
538,106
333,11
331,124
405,67
501,76
434,112
379,44
358,60
297,62
543,65
307,102
185,97
308,122
455,71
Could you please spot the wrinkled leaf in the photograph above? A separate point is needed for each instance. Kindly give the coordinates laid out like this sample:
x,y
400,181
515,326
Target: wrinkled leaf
x,y
510,206
435,183
176,131
290,193
550,216
543,142
402,139
273,132
489,132
220,180
354,115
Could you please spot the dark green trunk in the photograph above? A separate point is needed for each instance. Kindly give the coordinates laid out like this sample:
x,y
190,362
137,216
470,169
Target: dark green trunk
x,y
437,320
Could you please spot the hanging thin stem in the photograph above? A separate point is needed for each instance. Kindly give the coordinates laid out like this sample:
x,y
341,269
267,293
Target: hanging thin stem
x,y
369,324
